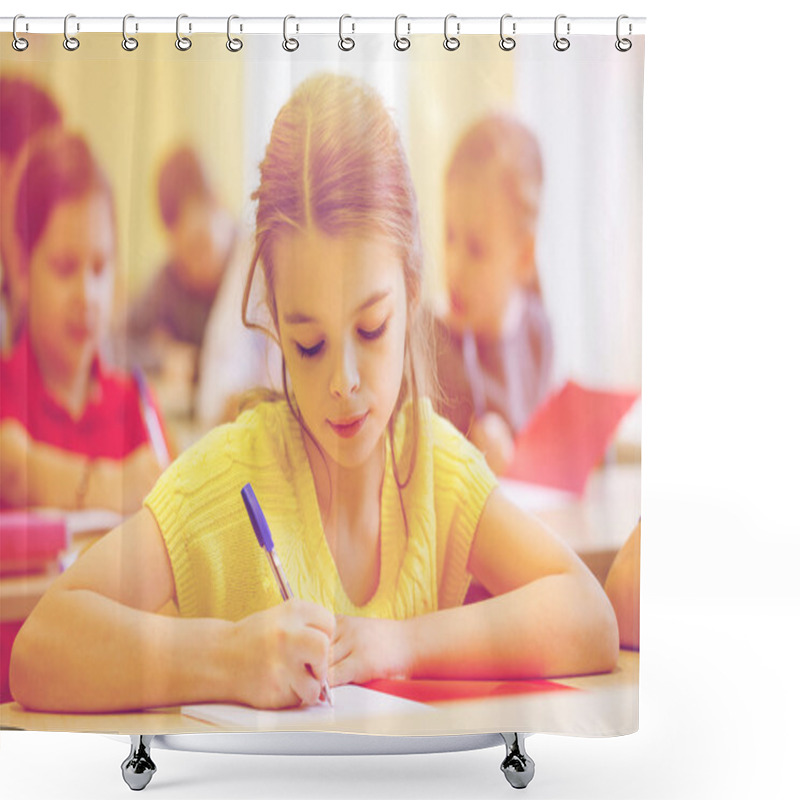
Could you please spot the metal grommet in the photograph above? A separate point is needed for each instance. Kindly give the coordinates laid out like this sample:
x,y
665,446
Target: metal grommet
x,y
561,43
233,44
289,44
128,42
70,42
401,42
623,45
451,43
507,42
18,43
183,43
345,42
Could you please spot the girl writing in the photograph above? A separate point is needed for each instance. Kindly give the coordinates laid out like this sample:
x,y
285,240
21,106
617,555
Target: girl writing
x,y
71,431
381,511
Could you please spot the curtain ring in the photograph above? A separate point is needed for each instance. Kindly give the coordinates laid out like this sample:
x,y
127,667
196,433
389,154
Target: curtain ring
x,y
290,45
623,45
401,42
70,42
128,42
451,43
345,43
561,43
233,44
18,43
507,42
183,43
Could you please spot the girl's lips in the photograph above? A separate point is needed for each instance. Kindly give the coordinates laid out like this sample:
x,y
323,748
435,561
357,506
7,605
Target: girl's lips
x,y
347,428
79,333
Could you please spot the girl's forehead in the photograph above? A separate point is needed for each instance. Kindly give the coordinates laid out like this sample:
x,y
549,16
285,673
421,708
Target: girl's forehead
x,y
484,202
80,223
313,270
475,186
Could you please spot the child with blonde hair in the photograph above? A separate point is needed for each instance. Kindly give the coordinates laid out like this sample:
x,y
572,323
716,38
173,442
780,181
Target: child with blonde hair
x,y
380,510
495,344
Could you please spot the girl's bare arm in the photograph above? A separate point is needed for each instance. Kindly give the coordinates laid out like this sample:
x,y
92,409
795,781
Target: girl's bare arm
x,y
548,616
35,474
95,643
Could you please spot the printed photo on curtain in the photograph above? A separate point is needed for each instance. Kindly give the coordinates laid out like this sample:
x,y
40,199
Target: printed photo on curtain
x,y
320,384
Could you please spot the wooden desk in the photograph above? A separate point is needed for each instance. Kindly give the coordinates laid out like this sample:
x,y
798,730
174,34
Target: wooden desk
x,y
595,525
605,705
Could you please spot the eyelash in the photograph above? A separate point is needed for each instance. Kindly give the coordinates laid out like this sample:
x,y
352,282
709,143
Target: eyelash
x,y
309,352
370,336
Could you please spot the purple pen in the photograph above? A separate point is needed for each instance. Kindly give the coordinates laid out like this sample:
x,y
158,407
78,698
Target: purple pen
x,y
264,536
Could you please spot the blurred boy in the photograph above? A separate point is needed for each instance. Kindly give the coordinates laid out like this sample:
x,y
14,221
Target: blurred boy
x,y
175,306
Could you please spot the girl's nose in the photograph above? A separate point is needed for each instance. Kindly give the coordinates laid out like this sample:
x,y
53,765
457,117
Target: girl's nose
x,y
82,286
345,379
91,288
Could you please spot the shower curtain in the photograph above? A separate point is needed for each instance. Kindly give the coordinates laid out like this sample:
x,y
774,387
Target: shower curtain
x,y
320,380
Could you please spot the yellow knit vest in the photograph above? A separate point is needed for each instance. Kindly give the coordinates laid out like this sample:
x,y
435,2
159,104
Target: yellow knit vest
x,y
220,570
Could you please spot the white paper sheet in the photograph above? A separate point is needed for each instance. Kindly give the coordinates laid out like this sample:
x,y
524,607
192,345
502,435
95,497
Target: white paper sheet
x,y
348,702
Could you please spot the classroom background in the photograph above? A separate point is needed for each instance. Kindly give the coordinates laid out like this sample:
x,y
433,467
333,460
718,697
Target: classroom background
x,y
588,237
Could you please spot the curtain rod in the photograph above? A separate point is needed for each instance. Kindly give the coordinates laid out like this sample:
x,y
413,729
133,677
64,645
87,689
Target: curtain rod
x,y
310,25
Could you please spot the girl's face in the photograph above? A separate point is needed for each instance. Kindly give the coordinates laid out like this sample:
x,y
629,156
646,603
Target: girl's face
x,y
341,307
69,284
487,257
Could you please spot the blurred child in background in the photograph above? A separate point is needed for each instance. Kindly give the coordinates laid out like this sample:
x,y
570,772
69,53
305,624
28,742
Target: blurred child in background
x,y
495,343
174,308
71,432
25,110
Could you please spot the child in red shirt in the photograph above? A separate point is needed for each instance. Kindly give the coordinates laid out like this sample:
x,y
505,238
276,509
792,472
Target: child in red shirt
x,y
71,431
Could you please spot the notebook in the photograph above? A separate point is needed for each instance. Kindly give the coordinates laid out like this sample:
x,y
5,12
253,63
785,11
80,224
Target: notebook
x,y
30,541
568,436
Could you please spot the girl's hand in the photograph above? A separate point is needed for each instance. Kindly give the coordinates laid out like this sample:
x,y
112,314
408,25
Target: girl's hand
x,y
281,655
493,437
365,649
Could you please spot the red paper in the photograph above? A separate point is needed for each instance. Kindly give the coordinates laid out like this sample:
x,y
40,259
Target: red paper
x,y
432,691
567,437
28,541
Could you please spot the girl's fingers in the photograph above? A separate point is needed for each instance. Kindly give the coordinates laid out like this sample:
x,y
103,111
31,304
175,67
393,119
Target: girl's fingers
x,y
313,648
306,687
317,616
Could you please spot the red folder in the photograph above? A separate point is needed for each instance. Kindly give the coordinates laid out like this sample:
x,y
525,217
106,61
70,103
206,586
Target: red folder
x,y
568,436
29,541
435,691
